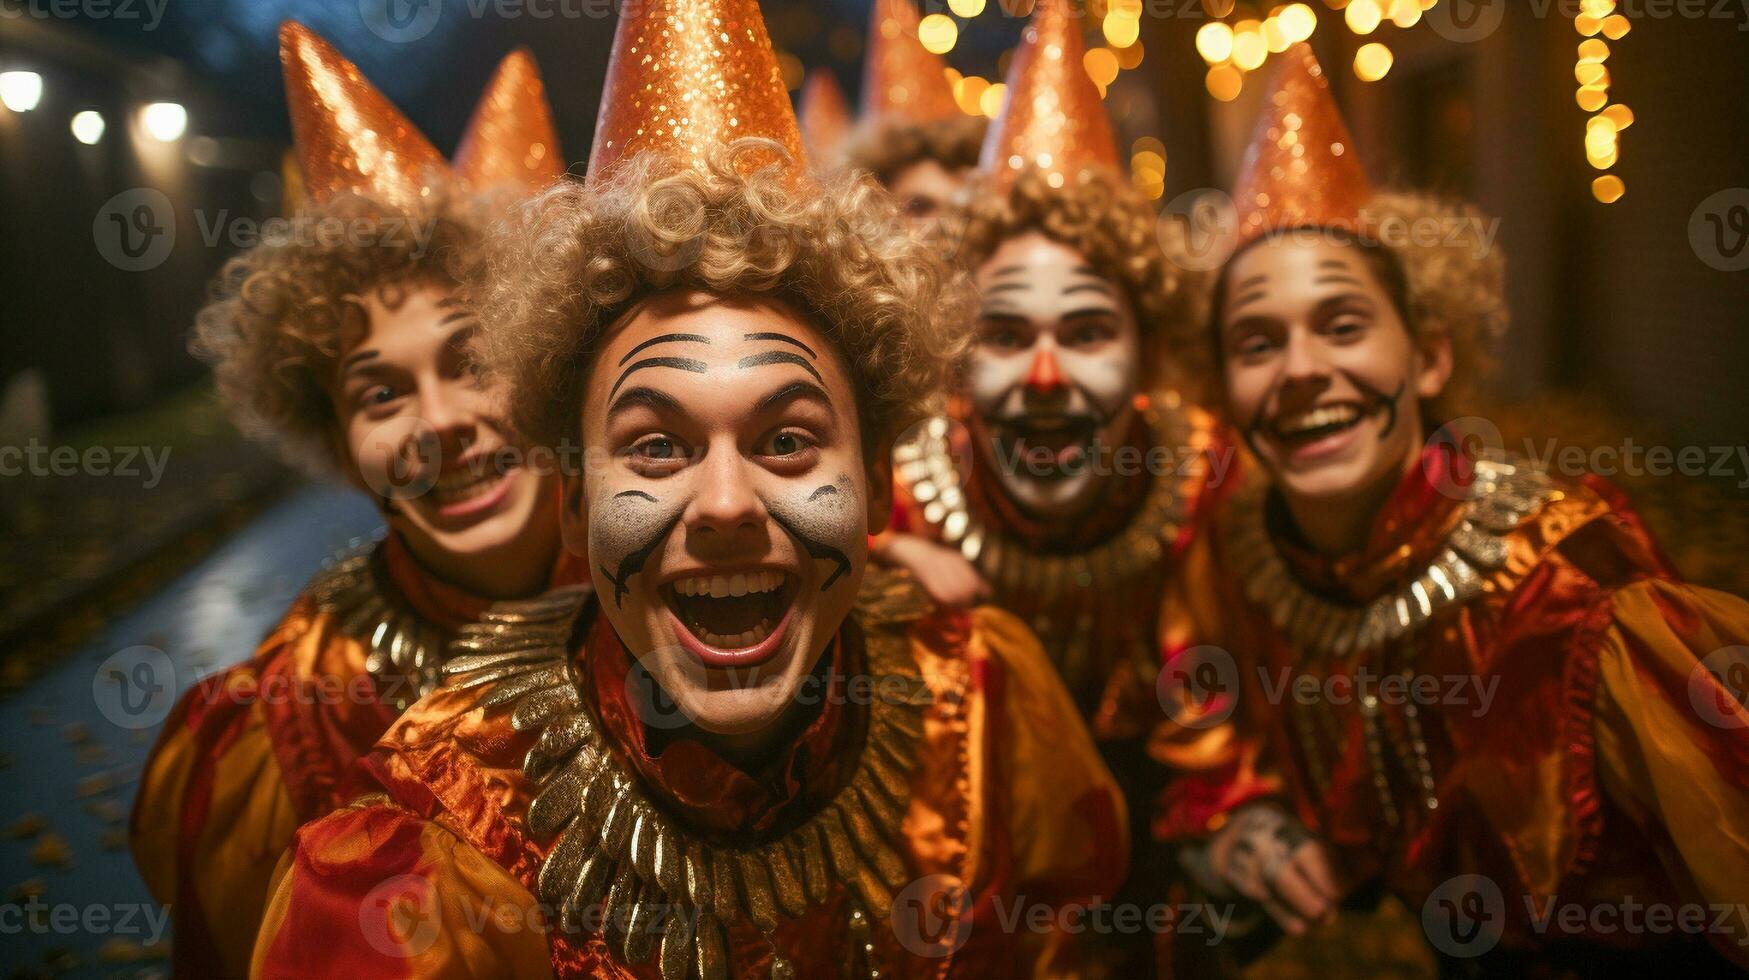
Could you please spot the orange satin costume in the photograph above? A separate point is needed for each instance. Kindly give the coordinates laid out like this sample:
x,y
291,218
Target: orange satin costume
x,y
1090,592
1000,791
257,749
1590,773
253,751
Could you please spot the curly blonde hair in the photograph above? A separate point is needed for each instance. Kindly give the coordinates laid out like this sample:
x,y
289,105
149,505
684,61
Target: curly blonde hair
x,y
281,315
1438,262
885,148
1107,221
577,259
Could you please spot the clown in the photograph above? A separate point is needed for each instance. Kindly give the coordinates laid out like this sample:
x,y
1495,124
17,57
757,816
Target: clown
x,y
351,356
911,134
1505,696
744,756
1067,474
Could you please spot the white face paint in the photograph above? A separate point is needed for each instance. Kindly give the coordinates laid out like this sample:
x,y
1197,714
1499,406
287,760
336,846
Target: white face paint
x,y
728,527
1054,374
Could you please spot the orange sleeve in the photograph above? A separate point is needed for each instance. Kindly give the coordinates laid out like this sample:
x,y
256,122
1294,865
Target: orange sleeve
x,y
377,891
1672,741
1215,766
210,819
1068,827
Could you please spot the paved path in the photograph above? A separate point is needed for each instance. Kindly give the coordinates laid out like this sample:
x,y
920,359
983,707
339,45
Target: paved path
x,y
72,743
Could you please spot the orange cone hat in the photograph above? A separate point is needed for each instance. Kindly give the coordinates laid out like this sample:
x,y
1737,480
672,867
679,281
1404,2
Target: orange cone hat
x,y
510,139
901,79
1052,119
1301,169
349,136
824,116
688,76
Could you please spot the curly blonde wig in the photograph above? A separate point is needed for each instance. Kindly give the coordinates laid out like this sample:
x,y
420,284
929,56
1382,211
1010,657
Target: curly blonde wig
x,y
1110,224
282,315
578,258
1438,262
886,148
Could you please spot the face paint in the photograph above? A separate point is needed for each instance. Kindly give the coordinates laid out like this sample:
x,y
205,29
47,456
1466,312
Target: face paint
x,y
1053,377
1320,364
730,521
825,517
633,531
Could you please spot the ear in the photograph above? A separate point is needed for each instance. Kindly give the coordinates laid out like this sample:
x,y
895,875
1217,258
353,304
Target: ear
x,y
573,515
880,487
1433,365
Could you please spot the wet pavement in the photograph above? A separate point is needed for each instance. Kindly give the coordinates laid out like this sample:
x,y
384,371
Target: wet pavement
x,y
73,741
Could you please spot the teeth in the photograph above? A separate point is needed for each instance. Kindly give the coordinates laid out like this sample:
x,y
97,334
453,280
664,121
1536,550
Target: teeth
x,y
726,586
464,485
737,641
1317,418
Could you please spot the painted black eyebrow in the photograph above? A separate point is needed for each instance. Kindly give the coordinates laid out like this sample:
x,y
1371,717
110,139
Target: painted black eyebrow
x,y
357,358
665,338
782,338
634,493
1248,297
648,397
460,313
1003,287
793,390
681,363
1343,277
1090,311
779,357
1098,286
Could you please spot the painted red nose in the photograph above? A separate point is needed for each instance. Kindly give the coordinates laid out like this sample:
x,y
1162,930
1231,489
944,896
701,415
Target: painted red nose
x,y
1045,377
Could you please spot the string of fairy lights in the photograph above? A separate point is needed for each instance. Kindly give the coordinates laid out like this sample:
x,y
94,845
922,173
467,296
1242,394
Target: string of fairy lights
x,y
1599,23
1238,40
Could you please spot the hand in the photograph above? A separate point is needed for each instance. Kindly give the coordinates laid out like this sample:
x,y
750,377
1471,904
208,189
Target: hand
x,y
1265,855
944,573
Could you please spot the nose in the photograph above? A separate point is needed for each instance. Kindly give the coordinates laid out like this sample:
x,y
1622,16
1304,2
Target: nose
x,y
1303,360
1045,377
726,509
448,420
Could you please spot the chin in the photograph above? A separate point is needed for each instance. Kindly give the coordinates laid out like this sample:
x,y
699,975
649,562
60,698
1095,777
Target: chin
x,y
1053,499
732,700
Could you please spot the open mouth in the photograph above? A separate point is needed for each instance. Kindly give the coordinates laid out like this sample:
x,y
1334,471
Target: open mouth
x,y
1303,429
734,619
1053,447
475,484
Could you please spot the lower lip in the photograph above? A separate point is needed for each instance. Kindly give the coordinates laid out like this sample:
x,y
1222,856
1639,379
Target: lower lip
x,y
1330,445
484,502
717,657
